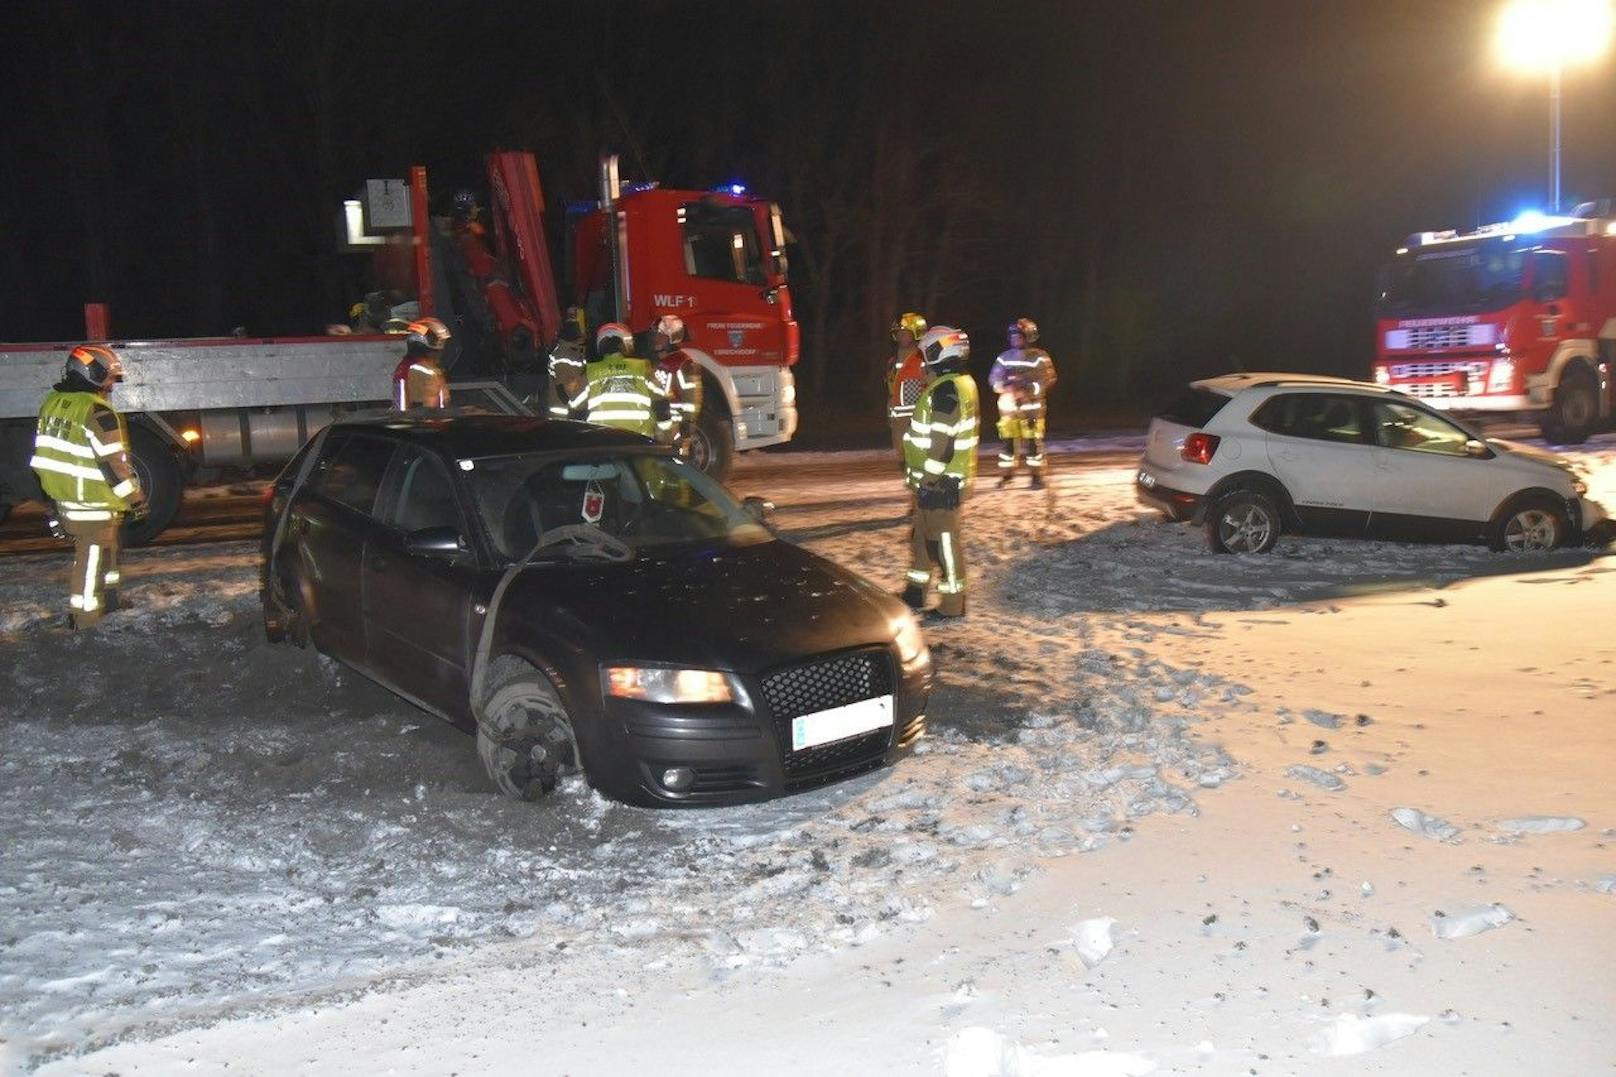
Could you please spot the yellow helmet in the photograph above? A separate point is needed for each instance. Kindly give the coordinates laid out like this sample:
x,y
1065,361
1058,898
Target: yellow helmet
x,y
914,323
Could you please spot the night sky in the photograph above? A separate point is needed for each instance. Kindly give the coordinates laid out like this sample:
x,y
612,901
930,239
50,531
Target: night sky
x,y
1170,189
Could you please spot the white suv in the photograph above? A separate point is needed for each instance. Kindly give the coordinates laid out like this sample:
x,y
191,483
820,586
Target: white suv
x,y
1251,455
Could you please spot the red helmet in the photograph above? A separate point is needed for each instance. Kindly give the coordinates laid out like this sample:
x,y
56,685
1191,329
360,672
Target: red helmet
x,y
607,332
94,364
427,332
1027,328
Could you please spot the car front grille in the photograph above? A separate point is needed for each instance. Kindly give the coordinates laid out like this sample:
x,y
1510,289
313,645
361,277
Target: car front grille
x,y
1476,369
820,685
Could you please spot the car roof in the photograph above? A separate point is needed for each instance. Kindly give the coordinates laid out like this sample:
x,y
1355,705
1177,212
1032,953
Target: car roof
x,y
472,435
1230,384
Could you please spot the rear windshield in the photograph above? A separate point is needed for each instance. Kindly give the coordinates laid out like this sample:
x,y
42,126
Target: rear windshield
x,y
1195,407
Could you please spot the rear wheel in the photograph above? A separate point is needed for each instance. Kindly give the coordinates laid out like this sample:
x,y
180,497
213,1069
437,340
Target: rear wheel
x,y
524,736
1243,521
1574,415
163,481
1531,525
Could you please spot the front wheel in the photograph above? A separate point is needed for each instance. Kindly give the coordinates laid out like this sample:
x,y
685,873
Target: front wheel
x,y
524,736
1574,415
712,444
1532,526
163,480
1243,521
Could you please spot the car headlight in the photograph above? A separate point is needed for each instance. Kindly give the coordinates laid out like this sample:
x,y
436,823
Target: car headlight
x,y
910,639
668,685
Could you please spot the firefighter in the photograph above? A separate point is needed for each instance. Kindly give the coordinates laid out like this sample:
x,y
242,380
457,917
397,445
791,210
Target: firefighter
x,y
567,363
418,380
906,377
81,454
679,378
940,462
1022,377
619,389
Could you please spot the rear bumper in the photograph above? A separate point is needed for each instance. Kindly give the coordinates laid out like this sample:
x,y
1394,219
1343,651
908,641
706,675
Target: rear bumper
x,y
1176,505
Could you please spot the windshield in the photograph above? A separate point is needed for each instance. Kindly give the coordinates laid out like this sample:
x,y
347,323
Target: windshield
x,y
647,501
721,242
1453,280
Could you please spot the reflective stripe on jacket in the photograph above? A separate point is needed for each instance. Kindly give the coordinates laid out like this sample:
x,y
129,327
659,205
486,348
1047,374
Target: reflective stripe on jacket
x,y
943,444
79,459
620,392
1026,374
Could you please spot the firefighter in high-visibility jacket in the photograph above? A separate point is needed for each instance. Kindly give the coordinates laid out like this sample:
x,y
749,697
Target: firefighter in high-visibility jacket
x,y
906,377
567,362
679,379
81,455
619,389
418,380
1022,377
939,454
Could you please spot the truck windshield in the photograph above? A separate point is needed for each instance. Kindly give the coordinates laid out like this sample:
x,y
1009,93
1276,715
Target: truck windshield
x,y
721,242
1458,279
648,501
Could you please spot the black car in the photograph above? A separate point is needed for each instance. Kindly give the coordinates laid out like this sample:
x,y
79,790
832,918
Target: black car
x,y
580,598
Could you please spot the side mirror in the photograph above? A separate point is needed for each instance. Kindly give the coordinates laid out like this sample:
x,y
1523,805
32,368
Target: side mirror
x,y
445,542
759,509
1478,450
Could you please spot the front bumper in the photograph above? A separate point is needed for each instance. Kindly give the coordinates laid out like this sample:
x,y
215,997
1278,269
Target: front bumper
x,y
736,750
1176,505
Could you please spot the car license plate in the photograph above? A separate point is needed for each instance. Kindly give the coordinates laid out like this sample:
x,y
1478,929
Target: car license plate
x,y
1146,479
839,723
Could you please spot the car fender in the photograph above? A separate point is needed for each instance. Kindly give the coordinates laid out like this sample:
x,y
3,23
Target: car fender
x,y
1531,493
1260,481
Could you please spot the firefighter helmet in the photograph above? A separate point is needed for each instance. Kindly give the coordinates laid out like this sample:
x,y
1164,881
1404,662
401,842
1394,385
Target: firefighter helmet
x,y
465,205
610,331
428,333
1027,328
943,346
915,323
95,365
573,323
671,328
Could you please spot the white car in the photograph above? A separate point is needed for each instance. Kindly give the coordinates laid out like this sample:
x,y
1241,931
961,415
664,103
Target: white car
x,y
1250,456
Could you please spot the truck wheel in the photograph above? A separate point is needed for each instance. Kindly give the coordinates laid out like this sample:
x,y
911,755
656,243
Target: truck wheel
x,y
163,480
1575,411
524,736
712,444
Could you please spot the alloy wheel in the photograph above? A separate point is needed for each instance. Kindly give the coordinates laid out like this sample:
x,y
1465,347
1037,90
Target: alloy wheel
x,y
1530,531
1245,528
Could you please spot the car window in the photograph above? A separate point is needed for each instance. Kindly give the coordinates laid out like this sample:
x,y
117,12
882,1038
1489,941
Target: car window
x,y
1194,407
1398,426
1316,416
421,494
352,471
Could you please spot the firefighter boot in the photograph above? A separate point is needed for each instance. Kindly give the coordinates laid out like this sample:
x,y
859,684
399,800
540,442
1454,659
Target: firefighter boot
x,y
1037,481
1004,479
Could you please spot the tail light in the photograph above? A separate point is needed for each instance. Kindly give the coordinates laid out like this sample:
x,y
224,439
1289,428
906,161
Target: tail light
x,y
1198,448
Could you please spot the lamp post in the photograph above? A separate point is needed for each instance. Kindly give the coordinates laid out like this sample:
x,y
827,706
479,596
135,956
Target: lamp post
x,y
1544,37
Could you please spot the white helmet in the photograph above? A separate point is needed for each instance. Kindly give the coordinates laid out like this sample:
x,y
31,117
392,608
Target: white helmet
x,y
943,344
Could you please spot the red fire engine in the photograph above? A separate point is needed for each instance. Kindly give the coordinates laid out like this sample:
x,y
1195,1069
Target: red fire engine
x,y
1517,317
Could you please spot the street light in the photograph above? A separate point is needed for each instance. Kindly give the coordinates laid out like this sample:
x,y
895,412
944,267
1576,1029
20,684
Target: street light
x,y
1544,37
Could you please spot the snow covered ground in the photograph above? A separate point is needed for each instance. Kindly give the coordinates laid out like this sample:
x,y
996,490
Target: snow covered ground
x,y
267,864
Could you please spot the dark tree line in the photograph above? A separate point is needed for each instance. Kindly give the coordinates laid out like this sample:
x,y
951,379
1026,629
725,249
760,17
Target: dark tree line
x,y
1169,189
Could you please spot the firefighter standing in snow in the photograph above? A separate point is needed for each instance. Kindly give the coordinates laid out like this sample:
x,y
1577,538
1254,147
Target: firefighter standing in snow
x,y
1022,376
679,379
620,390
939,454
418,380
906,377
81,454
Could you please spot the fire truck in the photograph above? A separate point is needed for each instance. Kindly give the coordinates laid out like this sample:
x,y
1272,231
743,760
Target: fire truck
x,y
1513,318
716,258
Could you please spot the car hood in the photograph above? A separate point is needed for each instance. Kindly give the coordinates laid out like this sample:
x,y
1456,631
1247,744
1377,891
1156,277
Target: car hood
x,y
1535,455
741,608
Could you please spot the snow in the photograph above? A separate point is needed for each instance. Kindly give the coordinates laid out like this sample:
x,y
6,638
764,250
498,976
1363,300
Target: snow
x,y
224,853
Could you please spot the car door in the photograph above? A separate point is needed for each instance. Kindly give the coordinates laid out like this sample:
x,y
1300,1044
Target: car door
x,y
329,527
419,607
1318,447
1430,486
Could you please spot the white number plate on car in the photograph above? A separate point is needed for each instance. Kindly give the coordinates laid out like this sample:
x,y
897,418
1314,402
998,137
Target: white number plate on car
x,y
839,723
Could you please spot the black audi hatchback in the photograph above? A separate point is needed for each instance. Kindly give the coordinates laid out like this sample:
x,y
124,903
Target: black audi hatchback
x,y
580,598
